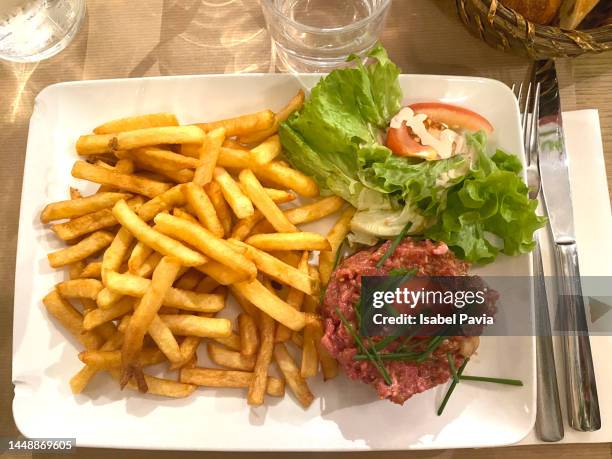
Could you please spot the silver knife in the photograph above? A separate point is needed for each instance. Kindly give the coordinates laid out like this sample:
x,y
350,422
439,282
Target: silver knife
x,y
581,388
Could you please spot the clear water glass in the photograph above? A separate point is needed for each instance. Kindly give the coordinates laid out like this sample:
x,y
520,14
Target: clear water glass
x,y
33,30
319,35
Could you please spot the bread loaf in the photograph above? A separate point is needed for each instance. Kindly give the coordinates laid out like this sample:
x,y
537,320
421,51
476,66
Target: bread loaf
x,y
574,11
538,11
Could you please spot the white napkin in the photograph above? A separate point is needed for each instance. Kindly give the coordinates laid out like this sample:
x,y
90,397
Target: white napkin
x,y
593,223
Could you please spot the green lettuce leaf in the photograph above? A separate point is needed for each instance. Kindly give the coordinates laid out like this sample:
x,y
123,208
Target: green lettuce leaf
x,y
489,211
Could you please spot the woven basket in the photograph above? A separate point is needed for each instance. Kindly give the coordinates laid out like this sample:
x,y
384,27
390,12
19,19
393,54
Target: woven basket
x,y
507,30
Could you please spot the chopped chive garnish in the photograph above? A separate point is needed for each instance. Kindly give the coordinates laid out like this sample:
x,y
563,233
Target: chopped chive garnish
x,y
394,244
453,369
390,356
450,390
379,366
339,253
383,343
508,382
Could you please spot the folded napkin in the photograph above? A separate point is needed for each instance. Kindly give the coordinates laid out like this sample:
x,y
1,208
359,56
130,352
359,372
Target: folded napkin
x,y
593,222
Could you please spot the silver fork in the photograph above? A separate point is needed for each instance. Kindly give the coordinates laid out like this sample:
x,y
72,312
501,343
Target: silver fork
x,y
549,421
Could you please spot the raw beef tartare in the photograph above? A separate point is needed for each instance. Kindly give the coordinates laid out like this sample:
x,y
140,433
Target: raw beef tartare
x,y
408,378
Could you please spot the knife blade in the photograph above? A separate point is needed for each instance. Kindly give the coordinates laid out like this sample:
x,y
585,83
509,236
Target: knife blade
x,y
580,385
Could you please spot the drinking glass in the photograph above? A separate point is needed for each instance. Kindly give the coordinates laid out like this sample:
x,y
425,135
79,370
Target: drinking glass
x,y
319,35
32,30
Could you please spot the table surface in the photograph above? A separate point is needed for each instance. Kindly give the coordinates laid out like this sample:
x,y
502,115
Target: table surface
x,y
174,37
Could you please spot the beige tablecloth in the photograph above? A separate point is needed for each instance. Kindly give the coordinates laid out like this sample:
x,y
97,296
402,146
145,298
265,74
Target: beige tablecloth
x,y
122,38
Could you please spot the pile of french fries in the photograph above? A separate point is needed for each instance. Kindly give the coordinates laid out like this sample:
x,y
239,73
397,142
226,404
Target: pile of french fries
x,y
185,216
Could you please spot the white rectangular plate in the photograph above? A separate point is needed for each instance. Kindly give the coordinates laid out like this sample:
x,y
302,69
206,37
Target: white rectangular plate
x,y
346,415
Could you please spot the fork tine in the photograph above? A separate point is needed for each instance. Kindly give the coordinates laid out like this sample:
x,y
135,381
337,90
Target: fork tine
x,y
533,131
520,96
526,125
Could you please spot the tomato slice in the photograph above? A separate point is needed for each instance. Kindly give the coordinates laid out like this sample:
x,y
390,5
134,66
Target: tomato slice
x,y
401,143
453,116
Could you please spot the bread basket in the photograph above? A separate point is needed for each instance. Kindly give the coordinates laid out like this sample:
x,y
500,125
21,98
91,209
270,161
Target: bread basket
x,y
507,30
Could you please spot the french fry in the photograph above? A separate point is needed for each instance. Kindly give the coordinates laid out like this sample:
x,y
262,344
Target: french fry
x,y
272,305
286,177
274,171
290,371
329,365
92,270
79,207
222,274
230,359
245,304
240,204
165,340
232,342
139,254
81,250
230,143
116,252
89,223
289,241
191,325
335,237
154,239
294,104
74,194
291,257
80,288
188,348
295,298
138,185
99,316
180,176
208,154
249,340
257,386
123,166
107,297
184,215
206,285
213,190
202,205
94,144
279,196
79,381
130,140
264,203
279,270
157,386
307,213
244,226
266,151
128,284
297,339
137,122
71,319
242,125
189,280
202,239
210,377
163,278
159,159
310,357
75,269
111,358
174,197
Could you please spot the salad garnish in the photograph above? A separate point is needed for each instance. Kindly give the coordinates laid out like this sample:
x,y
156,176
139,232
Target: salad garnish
x,y
355,139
